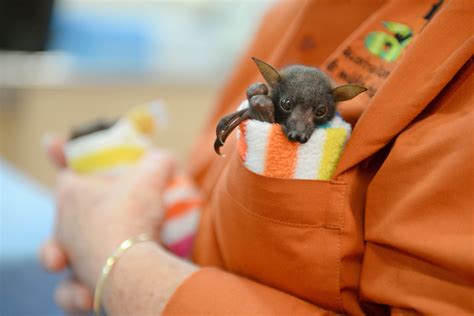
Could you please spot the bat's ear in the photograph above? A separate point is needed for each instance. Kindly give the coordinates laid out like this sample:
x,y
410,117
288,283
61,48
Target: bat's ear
x,y
271,75
347,92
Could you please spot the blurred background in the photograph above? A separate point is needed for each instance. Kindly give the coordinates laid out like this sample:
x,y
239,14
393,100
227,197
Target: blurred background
x,y
67,62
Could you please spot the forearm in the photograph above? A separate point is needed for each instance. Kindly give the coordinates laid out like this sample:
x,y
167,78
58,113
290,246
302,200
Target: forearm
x,y
145,277
143,280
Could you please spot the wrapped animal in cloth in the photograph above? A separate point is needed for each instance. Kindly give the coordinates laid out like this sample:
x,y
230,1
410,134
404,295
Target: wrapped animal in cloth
x,y
264,149
289,127
109,147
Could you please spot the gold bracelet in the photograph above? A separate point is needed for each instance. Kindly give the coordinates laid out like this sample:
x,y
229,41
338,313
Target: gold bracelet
x,y
124,246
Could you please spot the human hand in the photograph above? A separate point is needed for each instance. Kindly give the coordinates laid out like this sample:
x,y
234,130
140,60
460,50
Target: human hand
x,y
95,214
70,295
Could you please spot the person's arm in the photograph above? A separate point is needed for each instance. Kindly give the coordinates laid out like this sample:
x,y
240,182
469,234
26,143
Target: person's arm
x,y
143,280
148,280
96,213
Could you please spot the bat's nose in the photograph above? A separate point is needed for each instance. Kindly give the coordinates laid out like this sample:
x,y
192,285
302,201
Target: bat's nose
x,y
298,137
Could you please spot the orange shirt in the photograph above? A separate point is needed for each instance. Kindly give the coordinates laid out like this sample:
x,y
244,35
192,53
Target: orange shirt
x,y
393,231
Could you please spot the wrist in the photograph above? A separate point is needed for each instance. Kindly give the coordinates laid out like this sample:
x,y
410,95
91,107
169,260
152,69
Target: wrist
x,y
110,264
105,248
144,277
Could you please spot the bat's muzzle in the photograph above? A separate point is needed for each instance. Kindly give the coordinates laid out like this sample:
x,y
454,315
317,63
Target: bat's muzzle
x,y
298,137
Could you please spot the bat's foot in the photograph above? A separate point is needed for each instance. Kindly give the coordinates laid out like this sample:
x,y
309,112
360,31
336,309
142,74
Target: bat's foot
x,y
217,146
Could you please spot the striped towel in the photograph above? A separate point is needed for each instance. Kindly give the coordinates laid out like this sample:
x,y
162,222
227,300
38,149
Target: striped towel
x,y
122,145
182,204
265,150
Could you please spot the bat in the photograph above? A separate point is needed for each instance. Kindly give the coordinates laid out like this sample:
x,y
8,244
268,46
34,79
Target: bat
x,y
299,98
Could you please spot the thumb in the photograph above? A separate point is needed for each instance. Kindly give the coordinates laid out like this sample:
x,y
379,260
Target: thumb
x,y
155,170
54,147
149,180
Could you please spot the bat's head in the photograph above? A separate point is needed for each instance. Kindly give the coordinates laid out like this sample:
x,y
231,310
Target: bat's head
x,y
303,98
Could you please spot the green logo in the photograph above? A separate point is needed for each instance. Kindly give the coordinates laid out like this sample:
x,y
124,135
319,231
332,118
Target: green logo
x,y
389,46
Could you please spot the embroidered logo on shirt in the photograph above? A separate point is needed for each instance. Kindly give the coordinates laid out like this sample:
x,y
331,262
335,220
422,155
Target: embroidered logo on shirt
x,y
389,45
376,49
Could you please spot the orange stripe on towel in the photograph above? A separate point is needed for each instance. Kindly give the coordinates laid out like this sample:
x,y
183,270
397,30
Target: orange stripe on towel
x,y
281,155
242,145
182,207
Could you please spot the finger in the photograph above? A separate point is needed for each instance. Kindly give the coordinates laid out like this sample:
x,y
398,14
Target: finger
x,y
153,173
52,256
54,146
73,297
155,169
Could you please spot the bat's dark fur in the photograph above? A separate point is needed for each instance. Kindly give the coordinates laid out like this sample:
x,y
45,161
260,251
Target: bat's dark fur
x,y
299,98
307,89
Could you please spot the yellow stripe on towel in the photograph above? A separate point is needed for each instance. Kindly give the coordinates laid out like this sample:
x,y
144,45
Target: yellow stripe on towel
x,y
333,146
106,158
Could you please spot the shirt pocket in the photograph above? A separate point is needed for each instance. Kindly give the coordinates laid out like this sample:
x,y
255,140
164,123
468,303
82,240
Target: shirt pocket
x,y
284,233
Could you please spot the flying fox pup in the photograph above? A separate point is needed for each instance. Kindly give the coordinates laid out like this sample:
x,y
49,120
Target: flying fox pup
x,y
299,98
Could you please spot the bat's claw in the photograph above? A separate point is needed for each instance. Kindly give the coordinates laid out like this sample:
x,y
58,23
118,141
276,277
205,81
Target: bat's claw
x,y
226,125
217,146
260,108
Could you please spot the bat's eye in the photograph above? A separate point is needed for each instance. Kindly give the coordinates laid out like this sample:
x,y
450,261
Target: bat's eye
x,y
285,105
321,111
